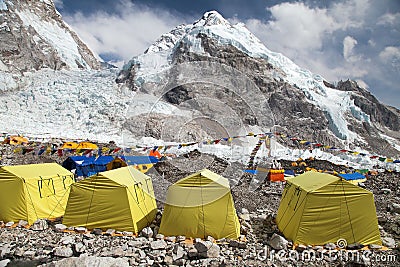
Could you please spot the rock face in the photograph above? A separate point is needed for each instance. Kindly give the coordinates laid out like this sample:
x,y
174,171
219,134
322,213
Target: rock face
x,y
298,102
34,36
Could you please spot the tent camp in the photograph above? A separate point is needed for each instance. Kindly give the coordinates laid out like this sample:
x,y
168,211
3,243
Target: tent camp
x,y
35,191
319,208
121,199
200,205
87,166
141,163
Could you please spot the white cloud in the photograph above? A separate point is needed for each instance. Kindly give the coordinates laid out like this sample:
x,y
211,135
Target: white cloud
x,y
389,53
350,13
126,32
296,25
306,35
348,45
389,19
391,57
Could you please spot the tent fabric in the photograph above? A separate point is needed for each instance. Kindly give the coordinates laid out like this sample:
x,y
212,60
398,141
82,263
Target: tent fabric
x,y
319,208
141,163
35,191
121,199
86,145
87,166
115,164
352,176
15,140
200,205
69,145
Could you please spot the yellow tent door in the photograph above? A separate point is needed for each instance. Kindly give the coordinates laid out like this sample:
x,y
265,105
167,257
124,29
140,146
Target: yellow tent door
x,y
121,199
35,191
318,208
200,205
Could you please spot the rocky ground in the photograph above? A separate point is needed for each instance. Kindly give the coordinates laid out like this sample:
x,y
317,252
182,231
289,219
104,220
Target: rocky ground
x,y
51,244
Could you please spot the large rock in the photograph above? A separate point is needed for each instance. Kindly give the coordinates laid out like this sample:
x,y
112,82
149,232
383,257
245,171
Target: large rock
x,y
89,261
147,232
158,244
178,253
4,263
64,252
60,227
207,249
39,225
278,242
388,242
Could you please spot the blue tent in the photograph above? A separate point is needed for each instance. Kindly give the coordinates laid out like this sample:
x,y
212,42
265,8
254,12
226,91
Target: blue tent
x,y
87,166
289,173
251,171
139,160
352,176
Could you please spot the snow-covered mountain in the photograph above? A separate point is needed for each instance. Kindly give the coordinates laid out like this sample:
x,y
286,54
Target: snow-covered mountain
x,y
205,80
34,36
302,104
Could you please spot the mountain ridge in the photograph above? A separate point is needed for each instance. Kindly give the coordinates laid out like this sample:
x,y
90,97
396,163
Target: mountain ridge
x,y
348,112
34,36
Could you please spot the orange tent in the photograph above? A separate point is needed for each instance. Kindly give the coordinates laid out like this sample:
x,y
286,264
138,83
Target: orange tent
x,y
155,153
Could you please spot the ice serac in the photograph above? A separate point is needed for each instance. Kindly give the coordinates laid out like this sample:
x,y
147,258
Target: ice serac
x,y
303,104
34,36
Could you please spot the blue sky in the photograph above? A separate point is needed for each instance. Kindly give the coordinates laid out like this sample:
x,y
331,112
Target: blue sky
x,y
340,40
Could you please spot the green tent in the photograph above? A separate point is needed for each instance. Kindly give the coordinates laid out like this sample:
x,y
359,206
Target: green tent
x,y
319,208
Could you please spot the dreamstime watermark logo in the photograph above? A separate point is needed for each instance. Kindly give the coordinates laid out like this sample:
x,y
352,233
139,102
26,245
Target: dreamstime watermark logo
x,y
341,243
193,102
310,255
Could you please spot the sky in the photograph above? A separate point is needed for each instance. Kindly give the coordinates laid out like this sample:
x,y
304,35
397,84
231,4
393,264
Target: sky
x,y
340,40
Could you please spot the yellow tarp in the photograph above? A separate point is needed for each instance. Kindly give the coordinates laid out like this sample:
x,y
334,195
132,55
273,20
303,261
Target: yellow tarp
x,y
200,205
35,191
86,145
69,145
121,199
15,140
319,208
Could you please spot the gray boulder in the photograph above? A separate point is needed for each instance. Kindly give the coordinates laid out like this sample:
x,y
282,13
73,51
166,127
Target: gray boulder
x,y
278,242
207,249
64,252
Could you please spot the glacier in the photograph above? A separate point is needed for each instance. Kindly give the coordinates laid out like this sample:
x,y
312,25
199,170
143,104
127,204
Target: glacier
x,y
333,102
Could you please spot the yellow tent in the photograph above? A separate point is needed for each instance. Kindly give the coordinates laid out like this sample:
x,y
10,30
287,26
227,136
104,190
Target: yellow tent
x,y
116,163
121,199
86,145
319,208
200,205
35,191
16,140
69,145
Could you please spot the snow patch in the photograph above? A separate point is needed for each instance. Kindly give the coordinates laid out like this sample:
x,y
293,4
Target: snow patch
x,y
3,5
58,37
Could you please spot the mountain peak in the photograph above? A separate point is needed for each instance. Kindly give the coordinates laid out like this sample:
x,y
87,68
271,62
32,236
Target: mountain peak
x,y
34,36
211,18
